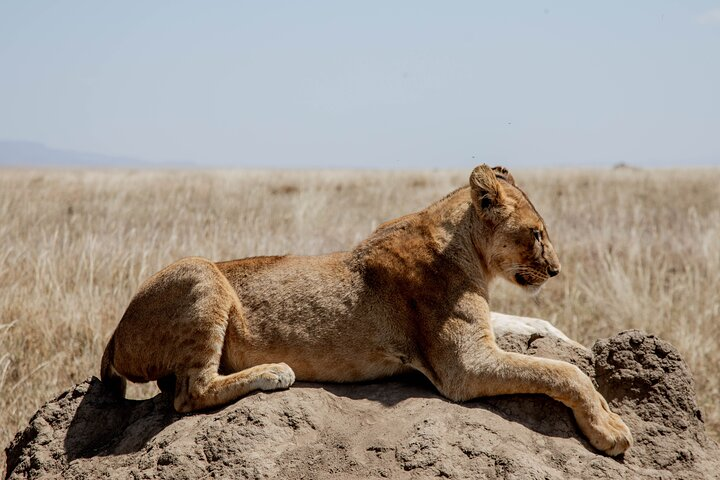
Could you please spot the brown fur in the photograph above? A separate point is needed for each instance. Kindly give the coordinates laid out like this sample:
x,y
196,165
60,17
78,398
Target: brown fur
x,y
413,295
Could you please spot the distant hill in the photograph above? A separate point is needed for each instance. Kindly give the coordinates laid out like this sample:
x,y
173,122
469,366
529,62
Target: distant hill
x,y
33,154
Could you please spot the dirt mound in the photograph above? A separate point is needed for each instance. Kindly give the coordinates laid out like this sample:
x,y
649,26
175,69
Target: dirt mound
x,y
392,429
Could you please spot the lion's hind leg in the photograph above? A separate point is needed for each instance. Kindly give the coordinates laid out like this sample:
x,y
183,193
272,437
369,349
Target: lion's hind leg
x,y
198,389
199,383
184,314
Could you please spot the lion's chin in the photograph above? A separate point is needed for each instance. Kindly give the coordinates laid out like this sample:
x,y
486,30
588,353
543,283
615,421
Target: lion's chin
x,y
531,288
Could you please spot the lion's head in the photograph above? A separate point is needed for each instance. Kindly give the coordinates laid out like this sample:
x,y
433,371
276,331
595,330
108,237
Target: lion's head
x,y
515,241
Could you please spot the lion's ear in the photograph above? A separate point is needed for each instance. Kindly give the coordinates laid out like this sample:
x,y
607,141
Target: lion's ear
x,y
487,191
502,172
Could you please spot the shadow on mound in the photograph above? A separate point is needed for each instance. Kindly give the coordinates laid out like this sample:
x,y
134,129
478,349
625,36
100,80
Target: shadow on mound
x,y
531,411
106,425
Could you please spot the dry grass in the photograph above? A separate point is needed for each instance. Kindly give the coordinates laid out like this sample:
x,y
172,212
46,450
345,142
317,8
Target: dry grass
x,y
640,249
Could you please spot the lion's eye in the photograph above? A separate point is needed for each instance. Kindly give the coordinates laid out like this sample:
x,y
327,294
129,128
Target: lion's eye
x,y
538,234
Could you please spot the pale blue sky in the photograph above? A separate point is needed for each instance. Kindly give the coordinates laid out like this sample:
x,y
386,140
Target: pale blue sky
x,y
406,84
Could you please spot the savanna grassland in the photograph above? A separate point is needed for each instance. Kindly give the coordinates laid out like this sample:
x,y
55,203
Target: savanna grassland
x,y
639,248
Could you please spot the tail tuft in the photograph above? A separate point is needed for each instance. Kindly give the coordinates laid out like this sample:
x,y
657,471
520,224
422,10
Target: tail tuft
x,y
110,377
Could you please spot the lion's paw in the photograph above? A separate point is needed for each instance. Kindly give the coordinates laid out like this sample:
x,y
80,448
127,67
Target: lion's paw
x,y
276,376
606,430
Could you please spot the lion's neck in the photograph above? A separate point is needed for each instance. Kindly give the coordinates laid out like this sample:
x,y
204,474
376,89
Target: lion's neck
x,y
455,233
440,235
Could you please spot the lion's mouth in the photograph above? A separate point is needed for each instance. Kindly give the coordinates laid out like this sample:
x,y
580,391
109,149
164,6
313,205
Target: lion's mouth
x,y
531,281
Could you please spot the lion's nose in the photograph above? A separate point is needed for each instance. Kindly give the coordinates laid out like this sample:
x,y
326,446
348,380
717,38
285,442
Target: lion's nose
x,y
552,271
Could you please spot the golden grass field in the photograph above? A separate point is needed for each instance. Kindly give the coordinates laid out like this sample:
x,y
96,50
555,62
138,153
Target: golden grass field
x,y
639,248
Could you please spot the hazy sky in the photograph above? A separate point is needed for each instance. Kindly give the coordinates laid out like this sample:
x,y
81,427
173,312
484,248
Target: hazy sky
x,y
366,84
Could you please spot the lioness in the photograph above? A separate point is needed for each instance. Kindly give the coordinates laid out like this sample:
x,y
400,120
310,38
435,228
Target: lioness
x,y
413,295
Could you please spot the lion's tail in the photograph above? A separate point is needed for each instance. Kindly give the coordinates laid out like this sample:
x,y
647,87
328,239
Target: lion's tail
x,y
110,377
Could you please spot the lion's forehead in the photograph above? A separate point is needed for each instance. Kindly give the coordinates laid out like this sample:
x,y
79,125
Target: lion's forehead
x,y
524,212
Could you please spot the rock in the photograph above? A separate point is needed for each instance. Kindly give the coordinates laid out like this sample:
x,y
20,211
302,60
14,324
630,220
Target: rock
x,y
400,428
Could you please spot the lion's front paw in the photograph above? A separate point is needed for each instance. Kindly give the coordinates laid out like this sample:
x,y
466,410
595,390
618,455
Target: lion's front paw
x,y
605,429
276,376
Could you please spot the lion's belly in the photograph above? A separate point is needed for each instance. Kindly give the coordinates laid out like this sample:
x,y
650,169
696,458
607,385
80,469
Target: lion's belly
x,y
313,314
329,365
335,348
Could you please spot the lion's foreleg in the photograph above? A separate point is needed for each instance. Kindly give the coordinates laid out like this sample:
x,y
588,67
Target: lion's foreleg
x,y
496,372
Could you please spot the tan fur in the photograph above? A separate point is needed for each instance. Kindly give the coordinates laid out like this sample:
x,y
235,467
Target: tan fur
x,y
413,295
